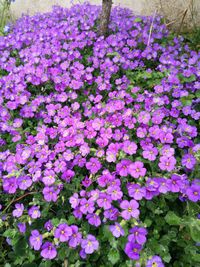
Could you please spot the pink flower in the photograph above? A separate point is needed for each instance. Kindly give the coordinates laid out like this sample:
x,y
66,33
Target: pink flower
x,y
93,165
167,164
130,209
123,167
129,147
137,169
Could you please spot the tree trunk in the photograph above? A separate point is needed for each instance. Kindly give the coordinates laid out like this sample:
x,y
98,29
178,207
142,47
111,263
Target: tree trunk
x,y
105,17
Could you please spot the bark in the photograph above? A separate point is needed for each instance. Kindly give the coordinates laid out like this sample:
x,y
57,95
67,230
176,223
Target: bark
x,y
105,17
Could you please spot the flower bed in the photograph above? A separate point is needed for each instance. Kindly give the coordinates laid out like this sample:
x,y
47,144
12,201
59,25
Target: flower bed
x,y
99,142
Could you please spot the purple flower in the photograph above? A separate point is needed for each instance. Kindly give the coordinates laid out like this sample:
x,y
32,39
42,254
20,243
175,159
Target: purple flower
x,y
93,219
93,165
63,232
77,213
136,191
82,254
137,169
26,154
50,194
167,151
74,200
115,192
24,182
130,209
141,132
150,154
123,167
49,177
132,250
175,183
188,161
75,238
48,251
104,179
110,156
111,214
129,147
48,225
167,164
22,227
144,117
34,212
166,138
35,240
10,185
90,244
155,261
87,182
116,230
163,186
67,175
19,208
104,201
193,193
86,206
138,235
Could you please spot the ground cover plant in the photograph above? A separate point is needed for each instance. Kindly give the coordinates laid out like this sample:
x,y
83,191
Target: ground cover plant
x,y
99,142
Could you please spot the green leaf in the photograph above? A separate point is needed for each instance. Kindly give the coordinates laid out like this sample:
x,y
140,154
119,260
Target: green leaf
x,y
172,219
10,233
20,247
167,258
55,221
185,101
29,265
113,54
196,257
71,220
45,264
195,230
62,253
138,20
197,94
113,256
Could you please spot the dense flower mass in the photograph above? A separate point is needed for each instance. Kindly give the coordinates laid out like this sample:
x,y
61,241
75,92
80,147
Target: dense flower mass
x,y
92,128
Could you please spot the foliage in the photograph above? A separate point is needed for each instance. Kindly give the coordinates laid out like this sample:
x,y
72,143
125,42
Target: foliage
x,y
4,15
99,143
192,37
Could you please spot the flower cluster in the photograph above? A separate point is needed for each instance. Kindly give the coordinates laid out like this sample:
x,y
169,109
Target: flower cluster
x,y
87,131
135,241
